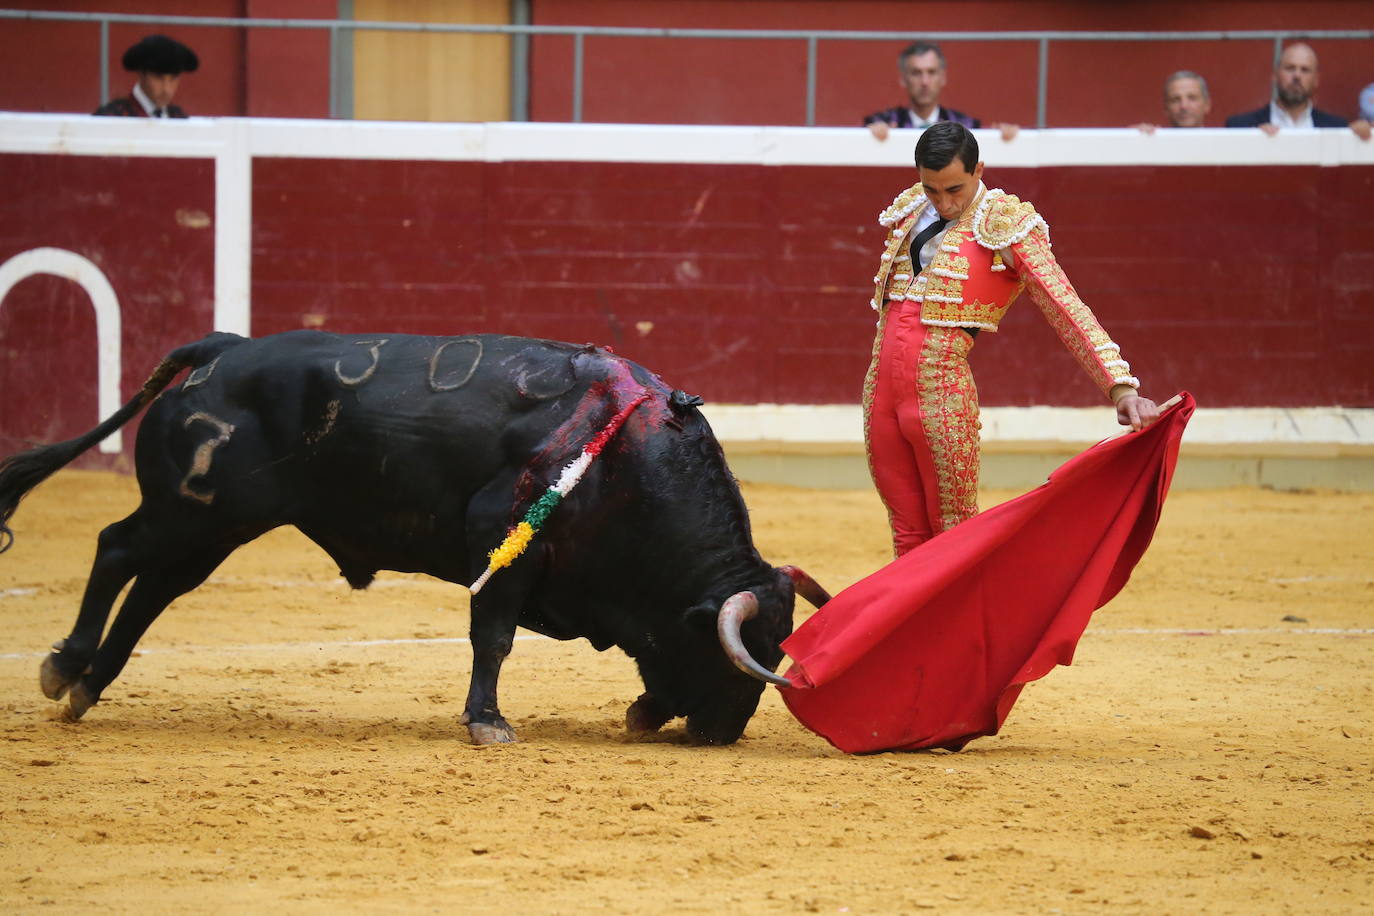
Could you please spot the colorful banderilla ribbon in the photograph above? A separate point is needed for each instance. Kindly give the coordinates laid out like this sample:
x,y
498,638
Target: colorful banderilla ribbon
x,y
519,537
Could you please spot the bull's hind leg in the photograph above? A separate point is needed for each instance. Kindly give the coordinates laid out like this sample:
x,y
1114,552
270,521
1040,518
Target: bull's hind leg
x,y
152,591
494,612
115,564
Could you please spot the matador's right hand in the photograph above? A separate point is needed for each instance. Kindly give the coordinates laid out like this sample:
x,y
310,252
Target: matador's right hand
x,y
1136,412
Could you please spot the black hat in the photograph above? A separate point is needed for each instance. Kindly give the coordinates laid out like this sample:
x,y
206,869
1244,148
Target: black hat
x,y
160,54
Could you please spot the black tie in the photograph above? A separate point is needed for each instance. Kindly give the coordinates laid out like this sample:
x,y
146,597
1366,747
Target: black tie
x,y
925,235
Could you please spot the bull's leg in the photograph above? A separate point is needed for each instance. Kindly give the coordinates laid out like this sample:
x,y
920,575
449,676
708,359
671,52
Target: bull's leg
x,y
114,566
152,591
494,612
647,714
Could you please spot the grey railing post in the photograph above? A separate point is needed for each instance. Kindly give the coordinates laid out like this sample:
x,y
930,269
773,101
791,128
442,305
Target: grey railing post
x,y
520,63
104,62
577,77
341,64
1042,90
811,81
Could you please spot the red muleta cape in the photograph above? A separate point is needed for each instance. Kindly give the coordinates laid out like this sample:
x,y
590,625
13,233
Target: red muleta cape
x,y
933,649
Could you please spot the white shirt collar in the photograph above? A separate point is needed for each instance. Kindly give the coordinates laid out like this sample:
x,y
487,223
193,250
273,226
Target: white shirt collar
x,y
147,103
918,121
1279,118
927,216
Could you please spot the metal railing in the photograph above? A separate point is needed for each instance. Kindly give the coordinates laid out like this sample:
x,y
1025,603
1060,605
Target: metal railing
x,y
339,30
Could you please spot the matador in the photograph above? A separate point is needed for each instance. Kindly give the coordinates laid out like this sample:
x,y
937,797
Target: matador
x,y
957,255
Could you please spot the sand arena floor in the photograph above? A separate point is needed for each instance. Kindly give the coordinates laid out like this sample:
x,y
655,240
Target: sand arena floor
x,y
284,742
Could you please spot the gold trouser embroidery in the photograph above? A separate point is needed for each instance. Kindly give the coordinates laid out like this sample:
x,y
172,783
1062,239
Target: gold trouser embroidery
x,y
949,415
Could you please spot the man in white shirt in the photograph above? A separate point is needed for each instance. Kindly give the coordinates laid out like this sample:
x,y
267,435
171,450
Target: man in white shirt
x,y
923,75
1295,83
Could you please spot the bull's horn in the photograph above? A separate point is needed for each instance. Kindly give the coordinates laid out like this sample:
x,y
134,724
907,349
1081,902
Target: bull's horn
x,y
806,586
737,609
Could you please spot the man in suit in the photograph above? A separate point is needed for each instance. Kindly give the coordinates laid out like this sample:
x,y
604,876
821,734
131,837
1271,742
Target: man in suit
x,y
1295,82
923,77
159,62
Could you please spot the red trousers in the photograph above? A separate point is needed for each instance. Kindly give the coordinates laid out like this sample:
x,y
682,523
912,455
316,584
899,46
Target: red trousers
x,y
921,425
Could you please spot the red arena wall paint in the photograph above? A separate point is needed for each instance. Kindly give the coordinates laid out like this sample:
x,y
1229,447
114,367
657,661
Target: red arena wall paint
x,y
146,224
262,72
1251,286
748,283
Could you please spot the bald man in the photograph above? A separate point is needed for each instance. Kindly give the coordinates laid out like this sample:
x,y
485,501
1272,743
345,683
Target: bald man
x,y
1295,83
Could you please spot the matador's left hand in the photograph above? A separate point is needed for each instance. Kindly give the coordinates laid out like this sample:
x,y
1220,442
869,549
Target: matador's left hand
x,y
1136,412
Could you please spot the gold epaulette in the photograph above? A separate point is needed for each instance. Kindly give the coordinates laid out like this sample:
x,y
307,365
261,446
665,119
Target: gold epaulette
x,y
902,206
1004,219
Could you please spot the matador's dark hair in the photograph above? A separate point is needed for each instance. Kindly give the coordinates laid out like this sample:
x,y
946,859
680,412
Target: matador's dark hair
x,y
943,142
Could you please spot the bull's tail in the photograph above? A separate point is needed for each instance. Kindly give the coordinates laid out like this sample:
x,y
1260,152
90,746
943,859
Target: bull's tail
x,y
20,473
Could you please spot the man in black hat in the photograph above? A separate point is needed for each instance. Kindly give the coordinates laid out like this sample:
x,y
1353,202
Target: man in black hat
x,y
159,62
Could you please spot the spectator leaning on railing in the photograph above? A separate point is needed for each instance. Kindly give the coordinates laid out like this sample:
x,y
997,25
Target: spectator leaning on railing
x,y
1295,83
923,76
1186,101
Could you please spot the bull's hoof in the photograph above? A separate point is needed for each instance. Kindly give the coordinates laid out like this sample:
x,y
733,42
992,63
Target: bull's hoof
x,y
484,734
646,715
712,732
78,702
55,684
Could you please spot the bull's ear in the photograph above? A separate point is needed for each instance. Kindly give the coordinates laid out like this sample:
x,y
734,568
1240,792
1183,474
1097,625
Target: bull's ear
x,y
683,401
701,617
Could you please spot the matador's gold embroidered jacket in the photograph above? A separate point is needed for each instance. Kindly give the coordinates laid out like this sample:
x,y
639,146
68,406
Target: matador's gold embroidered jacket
x,y
968,285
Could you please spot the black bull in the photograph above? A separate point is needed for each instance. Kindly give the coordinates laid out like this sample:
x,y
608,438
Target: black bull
x,y
418,454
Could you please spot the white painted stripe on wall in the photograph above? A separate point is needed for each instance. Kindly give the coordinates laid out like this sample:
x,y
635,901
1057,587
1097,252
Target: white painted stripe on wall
x,y
512,142
108,335
83,135
842,424
234,231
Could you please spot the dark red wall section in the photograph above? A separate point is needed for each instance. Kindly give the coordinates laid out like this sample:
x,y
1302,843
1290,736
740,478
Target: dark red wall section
x,y
1110,84
286,71
53,66
1250,286
148,225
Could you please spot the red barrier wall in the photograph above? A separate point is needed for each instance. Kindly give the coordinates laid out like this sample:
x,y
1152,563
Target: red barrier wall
x,y
1250,286
55,66
147,224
